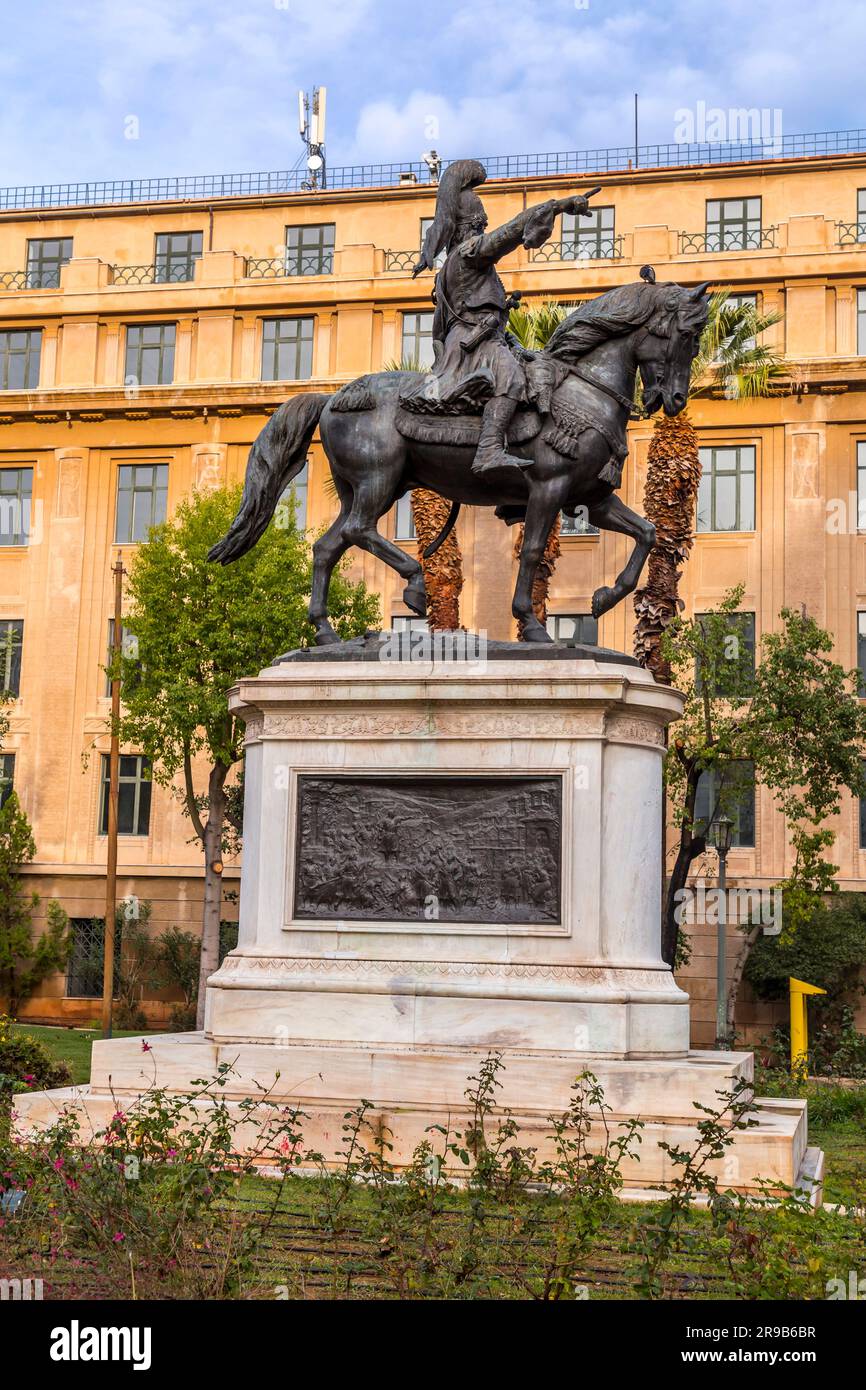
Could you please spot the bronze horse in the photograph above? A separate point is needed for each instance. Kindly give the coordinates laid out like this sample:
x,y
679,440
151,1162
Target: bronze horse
x,y
574,459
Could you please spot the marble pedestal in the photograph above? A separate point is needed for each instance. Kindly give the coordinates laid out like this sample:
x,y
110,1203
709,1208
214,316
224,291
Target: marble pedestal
x,y
359,974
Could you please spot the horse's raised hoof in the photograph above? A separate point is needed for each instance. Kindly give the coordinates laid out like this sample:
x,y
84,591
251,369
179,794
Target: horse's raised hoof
x,y
603,599
415,597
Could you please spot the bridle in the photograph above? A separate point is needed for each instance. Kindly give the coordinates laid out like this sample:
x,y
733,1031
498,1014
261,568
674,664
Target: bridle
x,y
634,411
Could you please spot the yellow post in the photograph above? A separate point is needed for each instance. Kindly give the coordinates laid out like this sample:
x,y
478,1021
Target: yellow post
x,y
799,1024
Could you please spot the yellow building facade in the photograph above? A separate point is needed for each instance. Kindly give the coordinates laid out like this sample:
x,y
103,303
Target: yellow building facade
x,y
143,346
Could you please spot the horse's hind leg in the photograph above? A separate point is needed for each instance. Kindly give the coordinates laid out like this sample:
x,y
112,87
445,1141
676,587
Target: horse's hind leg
x,y
370,502
328,550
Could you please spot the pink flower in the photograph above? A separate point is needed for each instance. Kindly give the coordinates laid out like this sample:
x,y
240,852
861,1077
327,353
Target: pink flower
x,y
145,1046
118,1237
57,1164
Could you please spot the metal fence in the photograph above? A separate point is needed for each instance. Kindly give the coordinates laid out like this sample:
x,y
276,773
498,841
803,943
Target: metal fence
x,y
599,161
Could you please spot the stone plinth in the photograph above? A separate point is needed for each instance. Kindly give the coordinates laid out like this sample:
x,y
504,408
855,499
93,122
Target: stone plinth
x,y
440,860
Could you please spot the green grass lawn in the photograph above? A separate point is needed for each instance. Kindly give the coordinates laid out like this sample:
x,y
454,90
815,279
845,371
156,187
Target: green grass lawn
x,y
70,1045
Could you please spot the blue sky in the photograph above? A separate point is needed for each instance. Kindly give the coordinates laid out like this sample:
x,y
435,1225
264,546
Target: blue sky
x,y
213,85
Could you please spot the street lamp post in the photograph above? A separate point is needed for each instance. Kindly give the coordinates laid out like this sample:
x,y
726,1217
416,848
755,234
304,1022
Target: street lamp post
x,y
723,828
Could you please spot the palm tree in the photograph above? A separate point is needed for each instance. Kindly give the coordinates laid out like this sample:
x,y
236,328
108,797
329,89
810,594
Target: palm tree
x,y
533,327
731,358
443,572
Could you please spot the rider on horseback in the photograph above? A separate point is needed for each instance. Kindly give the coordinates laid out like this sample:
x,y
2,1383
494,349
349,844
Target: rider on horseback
x,y
473,360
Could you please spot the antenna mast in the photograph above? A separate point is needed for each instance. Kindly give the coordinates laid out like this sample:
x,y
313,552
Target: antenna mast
x,y
311,125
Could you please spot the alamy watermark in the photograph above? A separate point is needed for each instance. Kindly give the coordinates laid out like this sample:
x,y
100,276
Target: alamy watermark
x,y
735,125
736,906
421,645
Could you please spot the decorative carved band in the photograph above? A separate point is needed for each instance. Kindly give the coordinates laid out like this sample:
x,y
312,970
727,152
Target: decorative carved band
x,y
275,966
469,723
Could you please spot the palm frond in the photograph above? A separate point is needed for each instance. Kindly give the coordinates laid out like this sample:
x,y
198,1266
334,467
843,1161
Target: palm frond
x,y
534,325
731,354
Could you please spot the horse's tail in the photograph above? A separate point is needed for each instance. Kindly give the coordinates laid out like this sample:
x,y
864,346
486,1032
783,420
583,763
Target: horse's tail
x,y
444,533
276,457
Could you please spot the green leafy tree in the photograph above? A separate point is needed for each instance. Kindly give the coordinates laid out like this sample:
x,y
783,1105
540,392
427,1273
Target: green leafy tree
x,y
24,962
199,628
793,724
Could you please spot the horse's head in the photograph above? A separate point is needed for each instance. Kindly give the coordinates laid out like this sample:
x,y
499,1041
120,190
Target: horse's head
x,y
669,345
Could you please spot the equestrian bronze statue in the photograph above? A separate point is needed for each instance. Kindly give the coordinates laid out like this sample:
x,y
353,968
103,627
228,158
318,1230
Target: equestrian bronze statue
x,y
531,434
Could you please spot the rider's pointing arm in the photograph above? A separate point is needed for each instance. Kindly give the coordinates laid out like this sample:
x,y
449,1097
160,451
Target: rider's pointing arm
x,y
531,229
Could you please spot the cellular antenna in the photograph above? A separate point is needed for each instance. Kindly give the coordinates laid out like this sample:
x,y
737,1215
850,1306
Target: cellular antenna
x,y
311,126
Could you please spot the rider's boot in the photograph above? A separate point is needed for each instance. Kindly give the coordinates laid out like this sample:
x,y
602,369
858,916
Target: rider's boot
x,y
490,456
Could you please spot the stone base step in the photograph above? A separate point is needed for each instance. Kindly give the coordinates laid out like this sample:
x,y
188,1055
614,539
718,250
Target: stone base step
x,y
412,1089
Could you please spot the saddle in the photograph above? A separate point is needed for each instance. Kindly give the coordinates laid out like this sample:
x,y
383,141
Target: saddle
x,y
460,429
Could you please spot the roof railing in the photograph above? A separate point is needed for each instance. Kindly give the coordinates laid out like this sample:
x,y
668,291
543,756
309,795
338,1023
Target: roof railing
x,y
618,159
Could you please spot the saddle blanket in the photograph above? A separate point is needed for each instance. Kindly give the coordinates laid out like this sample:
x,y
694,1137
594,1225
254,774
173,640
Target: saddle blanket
x,y
462,429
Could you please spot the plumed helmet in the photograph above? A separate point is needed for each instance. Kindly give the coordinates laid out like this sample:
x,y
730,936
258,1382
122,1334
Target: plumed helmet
x,y
456,202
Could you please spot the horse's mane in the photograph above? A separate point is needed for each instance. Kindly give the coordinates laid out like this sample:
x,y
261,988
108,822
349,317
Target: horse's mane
x,y
609,316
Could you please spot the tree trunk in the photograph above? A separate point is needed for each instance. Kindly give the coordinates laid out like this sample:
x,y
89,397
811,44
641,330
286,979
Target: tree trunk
x,y
749,939
673,477
690,847
443,572
213,886
544,573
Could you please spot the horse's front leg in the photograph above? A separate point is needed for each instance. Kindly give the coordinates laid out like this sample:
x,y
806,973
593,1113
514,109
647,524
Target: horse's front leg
x,y
545,503
613,515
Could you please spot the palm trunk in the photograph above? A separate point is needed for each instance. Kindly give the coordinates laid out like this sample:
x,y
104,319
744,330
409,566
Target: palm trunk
x,y
443,572
544,573
673,477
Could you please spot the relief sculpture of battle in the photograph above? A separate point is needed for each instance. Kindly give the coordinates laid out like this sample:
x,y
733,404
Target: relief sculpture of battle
x,y
455,849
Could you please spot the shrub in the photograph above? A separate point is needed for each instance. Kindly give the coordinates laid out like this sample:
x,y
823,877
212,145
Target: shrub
x,y
26,1064
828,950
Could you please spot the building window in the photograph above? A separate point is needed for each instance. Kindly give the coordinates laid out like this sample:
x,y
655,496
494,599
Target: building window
x,y
175,255
861,652
45,256
573,629
7,777
730,790
402,622
128,647
133,797
736,301
287,349
861,214
726,496
733,680
861,322
417,344
142,493
11,640
588,238
150,354
310,250
404,520
734,224
16,490
20,350
298,488
426,224
85,968
577,525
